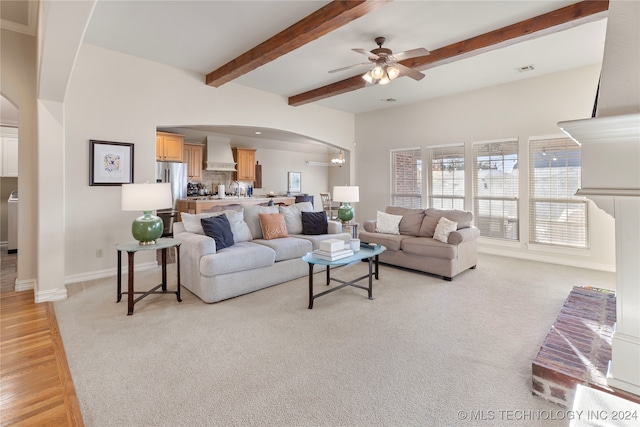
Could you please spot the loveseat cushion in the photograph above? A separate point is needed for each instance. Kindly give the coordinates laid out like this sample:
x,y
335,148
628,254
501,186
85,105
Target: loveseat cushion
x,y
239,257
425,247
287,247
463,218
392,242
411,219
293,217
388,223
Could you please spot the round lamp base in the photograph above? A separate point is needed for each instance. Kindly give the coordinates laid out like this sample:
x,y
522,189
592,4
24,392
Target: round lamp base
x,y
345,213
147,228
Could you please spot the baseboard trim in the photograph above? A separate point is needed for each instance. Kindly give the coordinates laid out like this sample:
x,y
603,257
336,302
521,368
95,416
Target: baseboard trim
x,y
102,274
548,259
24,285
51,295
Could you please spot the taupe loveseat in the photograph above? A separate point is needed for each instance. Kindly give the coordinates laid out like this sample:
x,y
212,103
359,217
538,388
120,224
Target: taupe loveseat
x,y
414,246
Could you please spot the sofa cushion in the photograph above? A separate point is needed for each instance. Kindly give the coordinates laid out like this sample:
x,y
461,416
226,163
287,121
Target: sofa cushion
x,y
463,218
314,223
428,226
219,229
253,220
387,223
192,222
444,228
273,226
411,219
239,228
293,217
239,257
287,247
424,247
315,239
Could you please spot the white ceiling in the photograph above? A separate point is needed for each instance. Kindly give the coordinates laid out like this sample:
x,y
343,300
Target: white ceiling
x,y
201,36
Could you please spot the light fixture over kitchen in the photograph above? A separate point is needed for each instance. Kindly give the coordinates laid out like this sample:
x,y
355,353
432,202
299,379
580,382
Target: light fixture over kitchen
x,y
338,161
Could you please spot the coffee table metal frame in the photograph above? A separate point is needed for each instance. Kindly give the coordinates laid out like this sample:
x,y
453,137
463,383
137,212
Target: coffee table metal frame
x,y
371,255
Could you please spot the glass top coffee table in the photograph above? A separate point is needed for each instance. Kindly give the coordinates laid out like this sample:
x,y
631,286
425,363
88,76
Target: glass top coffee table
x,y
371,255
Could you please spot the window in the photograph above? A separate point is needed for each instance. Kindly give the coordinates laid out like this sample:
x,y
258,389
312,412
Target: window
x,y
557,217
495,182
406,177
446,177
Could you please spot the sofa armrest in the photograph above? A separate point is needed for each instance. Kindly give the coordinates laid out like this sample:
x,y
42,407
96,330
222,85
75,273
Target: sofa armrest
x,y
196,244
463,235
334,227
370,226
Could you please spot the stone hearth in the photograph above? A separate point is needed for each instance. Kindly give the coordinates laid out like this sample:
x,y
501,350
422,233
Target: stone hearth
x,y
577,349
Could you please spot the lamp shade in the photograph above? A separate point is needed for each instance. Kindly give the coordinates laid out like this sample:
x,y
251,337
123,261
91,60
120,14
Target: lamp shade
x,y
146,197
346,193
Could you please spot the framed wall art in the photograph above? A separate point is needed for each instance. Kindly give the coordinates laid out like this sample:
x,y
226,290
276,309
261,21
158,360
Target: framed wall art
x,y
110,163
294,182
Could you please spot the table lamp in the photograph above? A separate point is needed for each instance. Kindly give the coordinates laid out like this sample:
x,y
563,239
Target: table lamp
x,y
346,194
146,198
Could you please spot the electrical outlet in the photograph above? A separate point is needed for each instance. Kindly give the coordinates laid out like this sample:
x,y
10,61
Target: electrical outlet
x,y
99,253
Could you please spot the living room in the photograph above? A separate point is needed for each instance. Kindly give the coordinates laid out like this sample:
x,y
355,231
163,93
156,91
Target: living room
x,y
119,97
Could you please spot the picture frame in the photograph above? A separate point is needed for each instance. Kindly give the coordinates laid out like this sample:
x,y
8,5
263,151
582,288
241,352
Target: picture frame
x,y
294,185
110,163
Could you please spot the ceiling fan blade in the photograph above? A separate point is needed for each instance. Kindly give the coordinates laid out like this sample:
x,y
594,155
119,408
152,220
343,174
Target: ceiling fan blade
x,y
406,71
366,53
401,56
350,66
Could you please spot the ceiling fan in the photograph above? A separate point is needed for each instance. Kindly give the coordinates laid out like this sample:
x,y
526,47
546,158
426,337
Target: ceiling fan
x,y
387,66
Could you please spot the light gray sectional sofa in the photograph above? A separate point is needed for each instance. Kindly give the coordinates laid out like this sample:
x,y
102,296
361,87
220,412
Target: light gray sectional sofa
x,y
414,246
252,262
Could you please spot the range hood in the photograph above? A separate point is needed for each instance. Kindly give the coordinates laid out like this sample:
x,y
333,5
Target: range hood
x,y
219,155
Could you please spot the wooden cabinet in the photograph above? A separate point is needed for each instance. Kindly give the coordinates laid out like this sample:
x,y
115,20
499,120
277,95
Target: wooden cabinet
x,y
169,147
193,158
9,156
245,159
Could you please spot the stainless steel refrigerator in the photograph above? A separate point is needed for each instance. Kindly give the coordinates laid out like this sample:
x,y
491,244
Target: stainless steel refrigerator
x,y
175,174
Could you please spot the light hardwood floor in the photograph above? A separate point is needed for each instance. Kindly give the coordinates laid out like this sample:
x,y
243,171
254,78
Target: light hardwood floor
x,y
36,388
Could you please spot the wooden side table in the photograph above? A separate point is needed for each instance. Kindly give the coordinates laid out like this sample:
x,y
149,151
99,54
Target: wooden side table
x,y
131,248
351,228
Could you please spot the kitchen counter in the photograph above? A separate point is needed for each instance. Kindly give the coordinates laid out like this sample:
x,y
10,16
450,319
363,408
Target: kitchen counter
x,y
201,204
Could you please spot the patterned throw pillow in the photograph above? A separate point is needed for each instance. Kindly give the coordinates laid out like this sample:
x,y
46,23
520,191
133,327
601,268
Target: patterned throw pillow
x,y
273,226
444,228
219,229
387,223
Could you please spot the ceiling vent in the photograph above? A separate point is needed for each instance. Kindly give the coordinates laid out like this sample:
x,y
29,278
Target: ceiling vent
x,y
525,68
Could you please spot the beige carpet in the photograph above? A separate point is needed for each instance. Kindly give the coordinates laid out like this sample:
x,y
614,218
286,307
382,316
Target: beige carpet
x,y
423,352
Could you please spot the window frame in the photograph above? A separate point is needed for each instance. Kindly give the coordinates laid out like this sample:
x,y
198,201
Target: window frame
x,y
395,196
452,151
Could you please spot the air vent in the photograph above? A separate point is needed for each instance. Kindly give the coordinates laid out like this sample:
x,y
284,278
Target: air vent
x,y
525,68
388,99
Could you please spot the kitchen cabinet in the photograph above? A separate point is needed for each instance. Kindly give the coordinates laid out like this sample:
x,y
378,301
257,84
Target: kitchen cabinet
x,y
9,156
245,159
193,154
169,147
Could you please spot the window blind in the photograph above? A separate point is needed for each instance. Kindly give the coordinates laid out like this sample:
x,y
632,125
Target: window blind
x,y
495,182
446,176
557,216
406,177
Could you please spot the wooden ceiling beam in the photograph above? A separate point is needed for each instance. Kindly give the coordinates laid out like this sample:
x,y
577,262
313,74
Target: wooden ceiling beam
x,y
324,20
548,23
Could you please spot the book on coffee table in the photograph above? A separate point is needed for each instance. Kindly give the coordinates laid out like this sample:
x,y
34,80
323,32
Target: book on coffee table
x,y
333,255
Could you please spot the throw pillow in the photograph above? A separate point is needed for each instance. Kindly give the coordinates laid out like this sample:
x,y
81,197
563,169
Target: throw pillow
x,y
444,228
463,218
192,222
273,226
292,216
253,220
314,223
219,229
387,223
239,228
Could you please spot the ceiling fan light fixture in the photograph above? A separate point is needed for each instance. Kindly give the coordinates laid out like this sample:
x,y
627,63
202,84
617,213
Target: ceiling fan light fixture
x,y
384,80
377,72
367,77
392,72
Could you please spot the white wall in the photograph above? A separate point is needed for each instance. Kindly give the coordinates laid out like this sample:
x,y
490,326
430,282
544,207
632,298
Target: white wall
x,y
523,109
117,97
